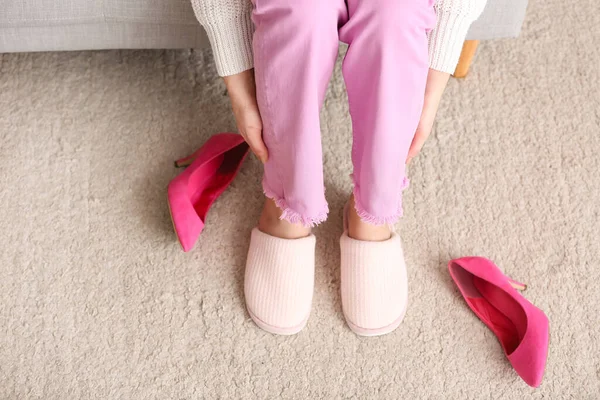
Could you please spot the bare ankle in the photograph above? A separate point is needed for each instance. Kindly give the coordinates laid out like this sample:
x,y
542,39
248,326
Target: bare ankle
x,y
271,224
360,230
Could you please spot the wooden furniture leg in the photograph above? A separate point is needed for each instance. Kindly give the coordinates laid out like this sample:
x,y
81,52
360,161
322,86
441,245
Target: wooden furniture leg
x,y
466,56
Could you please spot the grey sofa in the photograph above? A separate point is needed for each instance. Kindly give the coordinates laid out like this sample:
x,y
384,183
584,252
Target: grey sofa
x,y
52,25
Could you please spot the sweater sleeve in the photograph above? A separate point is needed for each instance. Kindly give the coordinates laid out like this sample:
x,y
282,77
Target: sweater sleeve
x,y
229,27
454,17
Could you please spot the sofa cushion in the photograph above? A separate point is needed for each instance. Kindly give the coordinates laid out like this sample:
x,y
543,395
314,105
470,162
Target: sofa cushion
x,y
500,19
47,12
150,11
51,25
21,13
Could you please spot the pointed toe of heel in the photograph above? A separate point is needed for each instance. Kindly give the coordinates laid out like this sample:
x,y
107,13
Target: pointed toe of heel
x,y
521,327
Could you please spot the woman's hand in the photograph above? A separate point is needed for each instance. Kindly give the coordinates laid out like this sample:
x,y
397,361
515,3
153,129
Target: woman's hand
x,y
436,83
242,92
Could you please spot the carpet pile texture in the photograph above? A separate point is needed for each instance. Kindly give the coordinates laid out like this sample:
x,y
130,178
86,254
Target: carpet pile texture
x,y
97,300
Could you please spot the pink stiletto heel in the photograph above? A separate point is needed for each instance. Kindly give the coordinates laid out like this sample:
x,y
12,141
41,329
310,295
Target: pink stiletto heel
x,y
186,161
209,171
521,328
517,285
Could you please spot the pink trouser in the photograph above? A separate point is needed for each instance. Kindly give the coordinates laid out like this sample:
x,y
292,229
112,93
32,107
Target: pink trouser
x,y
385,70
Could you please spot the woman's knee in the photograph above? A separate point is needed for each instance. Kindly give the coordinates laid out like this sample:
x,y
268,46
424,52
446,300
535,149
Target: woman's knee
x,y
390,18
306,17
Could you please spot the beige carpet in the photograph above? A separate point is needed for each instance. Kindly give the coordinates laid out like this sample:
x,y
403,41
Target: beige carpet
x,y
98,301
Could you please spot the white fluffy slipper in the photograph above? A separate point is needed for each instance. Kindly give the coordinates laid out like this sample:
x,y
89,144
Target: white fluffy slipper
x,y
279,282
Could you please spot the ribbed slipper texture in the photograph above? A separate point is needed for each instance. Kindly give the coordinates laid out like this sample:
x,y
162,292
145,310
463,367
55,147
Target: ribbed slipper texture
x,y
279,279
373,281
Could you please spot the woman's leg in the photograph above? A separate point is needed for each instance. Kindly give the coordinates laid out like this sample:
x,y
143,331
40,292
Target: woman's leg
x,y
295,47
385,71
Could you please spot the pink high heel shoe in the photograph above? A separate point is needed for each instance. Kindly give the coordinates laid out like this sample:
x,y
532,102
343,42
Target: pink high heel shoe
x,y
209,171
521,327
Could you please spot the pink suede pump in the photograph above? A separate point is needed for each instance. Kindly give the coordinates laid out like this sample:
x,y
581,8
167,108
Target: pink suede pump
x,y
521,328
209,171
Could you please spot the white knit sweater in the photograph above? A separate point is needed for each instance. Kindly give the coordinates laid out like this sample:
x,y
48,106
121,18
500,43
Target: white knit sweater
x,y
230,29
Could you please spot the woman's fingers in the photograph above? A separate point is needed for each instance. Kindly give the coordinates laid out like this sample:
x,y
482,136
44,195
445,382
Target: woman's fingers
x,y
417,144
253,137
249,123
242,92
436,83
